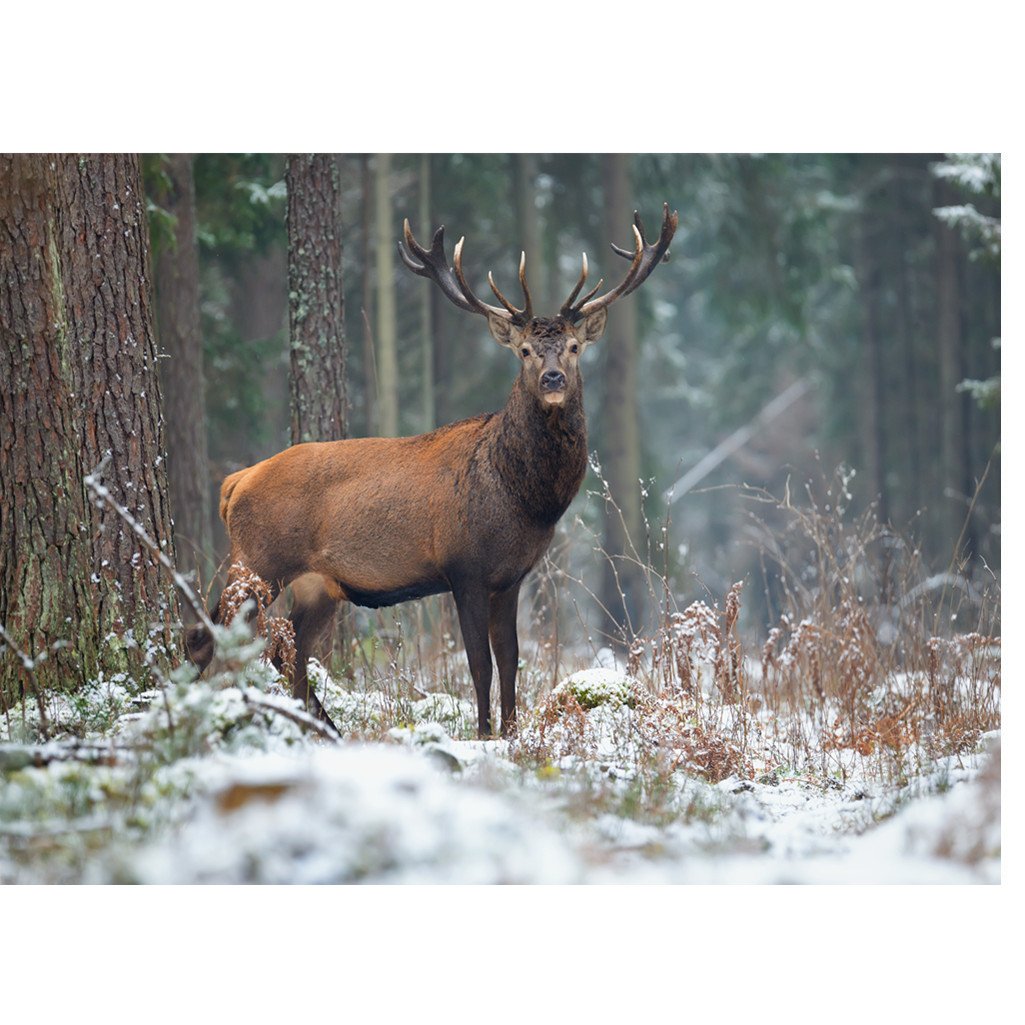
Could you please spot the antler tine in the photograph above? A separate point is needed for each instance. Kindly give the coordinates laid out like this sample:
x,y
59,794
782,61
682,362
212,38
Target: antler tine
x,y
659,252
520,317
583,308
643,261
480,307
568,308
528,307
433,264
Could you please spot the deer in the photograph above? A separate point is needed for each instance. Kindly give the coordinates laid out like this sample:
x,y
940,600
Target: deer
x,y
468,509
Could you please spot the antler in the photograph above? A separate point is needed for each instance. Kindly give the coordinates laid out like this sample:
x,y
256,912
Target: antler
x,y
433,264
642,262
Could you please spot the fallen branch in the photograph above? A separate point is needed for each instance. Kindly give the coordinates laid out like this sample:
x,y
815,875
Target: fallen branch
x,y
300,718
14,757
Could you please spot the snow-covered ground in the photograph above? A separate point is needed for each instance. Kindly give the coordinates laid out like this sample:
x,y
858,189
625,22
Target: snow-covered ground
x,y
257,800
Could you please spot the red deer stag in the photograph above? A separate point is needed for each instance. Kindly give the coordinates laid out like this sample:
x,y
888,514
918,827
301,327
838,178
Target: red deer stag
x,y
468,508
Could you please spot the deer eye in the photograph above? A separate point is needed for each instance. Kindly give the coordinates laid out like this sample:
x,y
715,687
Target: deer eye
x,y
525,352
574,348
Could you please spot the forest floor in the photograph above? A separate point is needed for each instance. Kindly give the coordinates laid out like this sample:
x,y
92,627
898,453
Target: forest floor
x,y
220,780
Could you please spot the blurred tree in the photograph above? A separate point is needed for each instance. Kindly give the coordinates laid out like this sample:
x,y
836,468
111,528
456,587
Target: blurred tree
x,y
528,227
240,201
623,582
176,280
387,328
316,299
426,301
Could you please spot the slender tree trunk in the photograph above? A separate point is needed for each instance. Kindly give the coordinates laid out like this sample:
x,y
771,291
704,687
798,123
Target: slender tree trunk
x,y
871,369
622,587
528,225
315,299
46,599
104,247
426,302
367,303
387,330
956,474
181,373
316,308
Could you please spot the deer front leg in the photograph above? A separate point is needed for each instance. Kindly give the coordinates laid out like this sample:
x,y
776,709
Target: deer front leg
x,y
502,628
473,606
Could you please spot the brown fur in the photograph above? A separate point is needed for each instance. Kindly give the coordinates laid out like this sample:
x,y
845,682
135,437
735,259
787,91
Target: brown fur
x,y
469,508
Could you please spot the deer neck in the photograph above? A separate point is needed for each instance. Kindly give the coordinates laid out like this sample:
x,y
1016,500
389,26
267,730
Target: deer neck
x,y
540,452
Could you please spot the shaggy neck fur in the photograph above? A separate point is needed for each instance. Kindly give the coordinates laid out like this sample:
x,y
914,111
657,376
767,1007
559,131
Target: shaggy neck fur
x,y
540,452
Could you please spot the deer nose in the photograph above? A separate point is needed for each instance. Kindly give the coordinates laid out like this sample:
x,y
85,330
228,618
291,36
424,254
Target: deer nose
x,y
553,380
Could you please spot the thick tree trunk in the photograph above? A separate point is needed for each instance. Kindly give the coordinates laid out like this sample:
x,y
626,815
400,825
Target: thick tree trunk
x,y
387,330
46,600
316,299
623,583
176,269
104,249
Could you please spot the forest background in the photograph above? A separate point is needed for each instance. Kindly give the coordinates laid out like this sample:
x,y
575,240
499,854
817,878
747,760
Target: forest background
x,y
817,312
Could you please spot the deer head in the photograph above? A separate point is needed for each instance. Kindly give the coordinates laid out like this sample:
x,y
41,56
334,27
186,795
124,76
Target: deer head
x,y
549,348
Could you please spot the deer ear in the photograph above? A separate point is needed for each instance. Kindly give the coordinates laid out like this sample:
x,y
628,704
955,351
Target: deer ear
x,y
502,330
592,328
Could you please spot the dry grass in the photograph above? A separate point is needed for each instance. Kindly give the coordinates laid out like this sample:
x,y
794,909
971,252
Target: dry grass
x,y
245,586
855,673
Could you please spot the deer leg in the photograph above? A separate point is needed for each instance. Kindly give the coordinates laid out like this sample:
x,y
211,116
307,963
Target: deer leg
x,y
502,628
472,606
312,609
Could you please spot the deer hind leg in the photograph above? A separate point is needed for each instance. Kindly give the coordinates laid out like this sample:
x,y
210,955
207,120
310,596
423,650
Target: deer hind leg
x,y
315,601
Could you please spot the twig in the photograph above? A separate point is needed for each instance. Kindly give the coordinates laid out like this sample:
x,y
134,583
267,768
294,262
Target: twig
x,y
29,665
300,718
92,482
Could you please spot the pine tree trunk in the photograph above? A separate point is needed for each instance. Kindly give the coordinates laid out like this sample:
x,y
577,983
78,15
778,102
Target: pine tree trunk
x,y
104,250
367,303
387,330
528,225
176,269
957,482
46,600
426,303
316,299
623,583
871,369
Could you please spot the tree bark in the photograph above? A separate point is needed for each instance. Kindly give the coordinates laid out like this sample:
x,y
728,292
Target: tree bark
x,y
46,601
367,303
623,583
426,302
315,299
387,330
104,250
871,369
528,226
956,474
176,270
